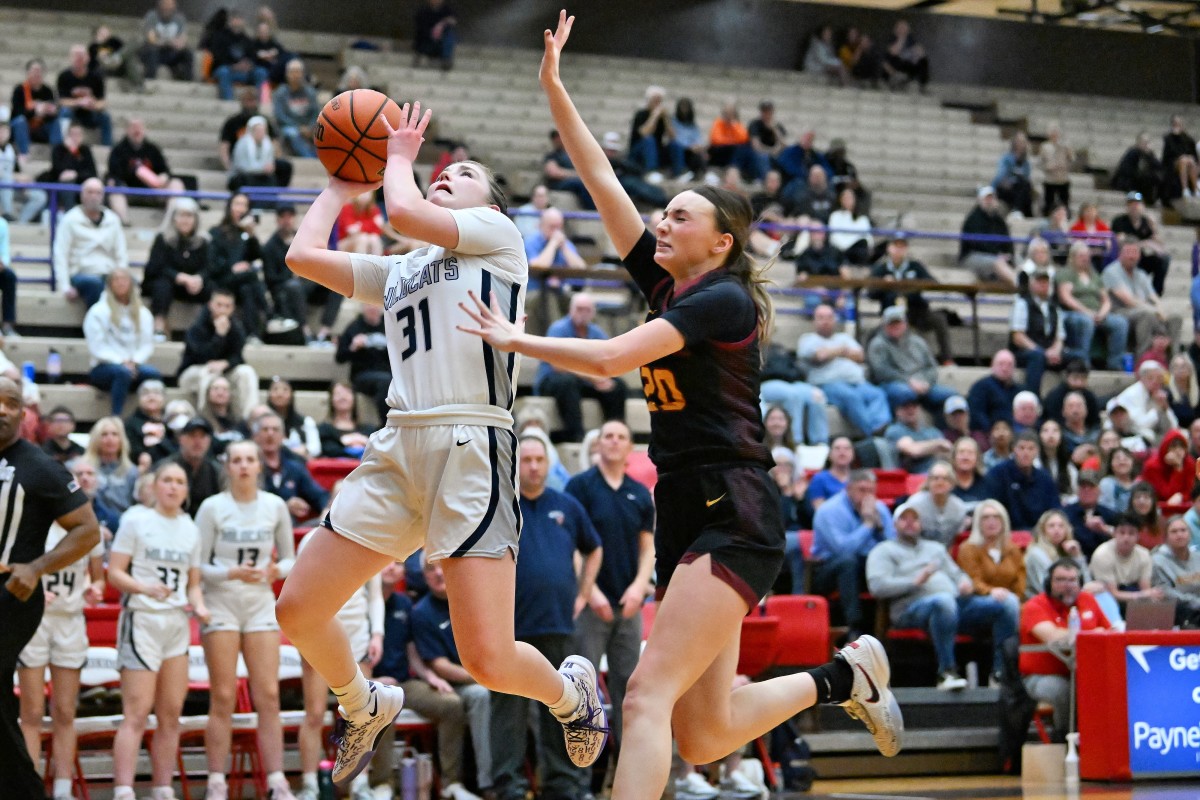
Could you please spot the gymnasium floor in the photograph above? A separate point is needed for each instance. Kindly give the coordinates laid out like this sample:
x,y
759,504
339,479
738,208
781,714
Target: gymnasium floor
x,y
986,787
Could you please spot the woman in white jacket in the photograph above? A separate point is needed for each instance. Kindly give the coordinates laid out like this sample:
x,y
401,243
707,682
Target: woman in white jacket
x,y
253,158
120,337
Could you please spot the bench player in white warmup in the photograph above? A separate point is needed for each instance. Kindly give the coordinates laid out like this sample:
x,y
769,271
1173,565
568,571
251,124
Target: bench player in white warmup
x,y
442,471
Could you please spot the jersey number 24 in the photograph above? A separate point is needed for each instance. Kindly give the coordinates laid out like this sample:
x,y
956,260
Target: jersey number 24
x,y
662,393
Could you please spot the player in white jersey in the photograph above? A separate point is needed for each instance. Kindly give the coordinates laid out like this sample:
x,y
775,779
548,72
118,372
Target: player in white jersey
x,y
61,644
442,473
362,620
155,561
246,544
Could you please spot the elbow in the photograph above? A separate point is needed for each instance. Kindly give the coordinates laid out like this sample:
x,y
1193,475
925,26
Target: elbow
x,y
608,362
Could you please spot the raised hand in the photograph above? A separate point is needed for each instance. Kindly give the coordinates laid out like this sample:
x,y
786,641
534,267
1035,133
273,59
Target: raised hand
x,y
548,72
405,140
493,328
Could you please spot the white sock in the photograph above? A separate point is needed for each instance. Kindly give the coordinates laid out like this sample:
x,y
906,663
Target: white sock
x,y
359,782
308,780
163,793
566,705
354,695
276,779
123,793
62,787
216,779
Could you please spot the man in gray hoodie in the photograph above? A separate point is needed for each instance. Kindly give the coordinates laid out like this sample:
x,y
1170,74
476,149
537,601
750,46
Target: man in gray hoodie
x,y
927,590
903,365
1177,572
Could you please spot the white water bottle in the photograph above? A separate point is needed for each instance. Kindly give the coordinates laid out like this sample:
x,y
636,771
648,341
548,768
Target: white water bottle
x,y
1071,762
1073,623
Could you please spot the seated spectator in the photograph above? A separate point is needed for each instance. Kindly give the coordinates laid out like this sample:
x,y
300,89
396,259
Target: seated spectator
x,y
108,56
234,128
300,430
845,174
1053,541
177,269
916,443
1085,304
943,515
1026,490
549,247
820,259
34,110
1192,517
1179,161
218,408
284,474
527,217
777,430
990,398
630,175
71,161
729,141
651,143
1184,390
851,229
560,175
88,245
213,347
85,475
569,389
845,529
1159,349
821,59
354,77
146,428
1037,333
342,435
435,33
1177,573
291,294
1027,410
425,692
1148,403
861,58
905,59
1075,430
782,384
1120,475
1055,158
8,286
108,452
1056,232
253,162
1055,457
233,56
813,199
1135,298
120,338
233,252
956,414
1100,239
454,153
831,480
1044,621
835,366
1137,225
1143,507
269,53
902,364
164,31
364,345
10,172
767,136
81,95
360,226
994,564
1123,565
1000,440
138,163
296,110
1171,470
689,136
1075,380
1091,521
969,484
1014,177
1037,257
1139,170
991,259
796,162
927,590
60,424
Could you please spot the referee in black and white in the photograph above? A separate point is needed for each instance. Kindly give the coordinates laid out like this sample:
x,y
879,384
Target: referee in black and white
x,y
35,490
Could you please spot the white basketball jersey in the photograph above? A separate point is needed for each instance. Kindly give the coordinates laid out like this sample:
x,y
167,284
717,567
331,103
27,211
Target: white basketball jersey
x,y
161,550
70,582
234,533
440,374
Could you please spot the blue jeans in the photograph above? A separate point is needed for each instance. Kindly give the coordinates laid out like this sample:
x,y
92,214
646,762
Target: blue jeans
x,y
809,423
645,152
118,380
863,404
793,560
899,393
22,137
944,616
99,120
1081,329
301,145
1034,362
845,573
90,287
227,76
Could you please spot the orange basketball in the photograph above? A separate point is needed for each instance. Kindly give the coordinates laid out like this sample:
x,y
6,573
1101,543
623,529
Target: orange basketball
x,y
350,137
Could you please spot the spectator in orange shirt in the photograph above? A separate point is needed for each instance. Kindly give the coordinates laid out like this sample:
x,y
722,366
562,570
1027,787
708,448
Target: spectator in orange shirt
x,y
729,141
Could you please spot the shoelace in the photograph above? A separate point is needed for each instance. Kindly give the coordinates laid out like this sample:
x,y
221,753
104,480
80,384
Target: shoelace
x,y
578,730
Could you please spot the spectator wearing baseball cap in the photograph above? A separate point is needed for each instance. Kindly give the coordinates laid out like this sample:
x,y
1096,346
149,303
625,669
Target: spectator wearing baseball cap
x,y
205,476
956,414
1075,379
1091,521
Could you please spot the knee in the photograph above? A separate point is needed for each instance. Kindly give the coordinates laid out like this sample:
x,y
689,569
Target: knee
x,y
485,663
63,709
642,701
945,608
266,697
289,613
221,700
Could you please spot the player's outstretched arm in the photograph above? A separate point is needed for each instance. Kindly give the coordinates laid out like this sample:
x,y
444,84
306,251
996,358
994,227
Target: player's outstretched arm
x,y
310,256
407,209
618,213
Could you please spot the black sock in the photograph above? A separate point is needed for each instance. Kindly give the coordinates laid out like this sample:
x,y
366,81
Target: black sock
x,y
834,681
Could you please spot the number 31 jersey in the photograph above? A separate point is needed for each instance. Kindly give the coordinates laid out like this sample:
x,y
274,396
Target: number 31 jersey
x,y
441,375
161,550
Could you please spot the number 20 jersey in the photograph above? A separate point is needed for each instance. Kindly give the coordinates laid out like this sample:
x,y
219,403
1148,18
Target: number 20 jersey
x,y
441,375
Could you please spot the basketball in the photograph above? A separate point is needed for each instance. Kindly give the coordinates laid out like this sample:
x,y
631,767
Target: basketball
x,y
350,137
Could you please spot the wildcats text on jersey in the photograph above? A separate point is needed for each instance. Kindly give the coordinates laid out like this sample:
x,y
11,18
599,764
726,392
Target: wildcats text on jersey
x,y
168,556
433,272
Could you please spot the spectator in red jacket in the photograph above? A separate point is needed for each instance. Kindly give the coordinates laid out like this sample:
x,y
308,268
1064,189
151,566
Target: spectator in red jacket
x,y
1171,470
